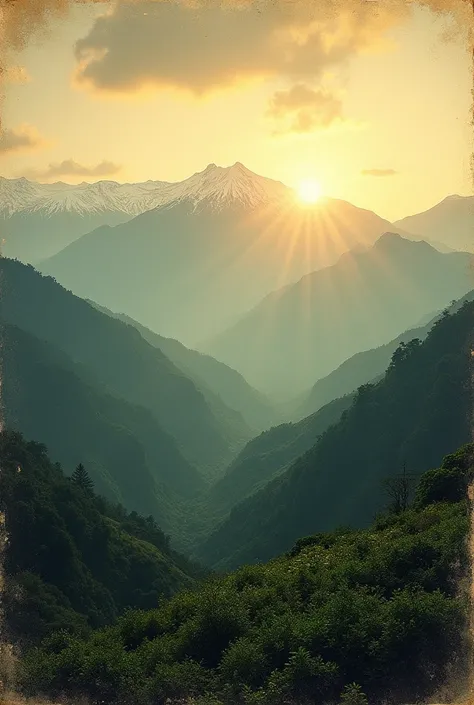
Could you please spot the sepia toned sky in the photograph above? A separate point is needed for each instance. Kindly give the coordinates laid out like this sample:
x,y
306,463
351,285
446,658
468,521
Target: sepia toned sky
x,y
371,99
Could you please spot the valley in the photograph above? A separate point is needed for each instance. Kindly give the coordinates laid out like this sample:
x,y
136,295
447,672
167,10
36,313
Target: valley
x,y
236,353
236,426
192,507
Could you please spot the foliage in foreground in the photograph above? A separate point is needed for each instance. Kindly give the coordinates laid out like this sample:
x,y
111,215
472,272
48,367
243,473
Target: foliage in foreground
x,y
344,616
74,561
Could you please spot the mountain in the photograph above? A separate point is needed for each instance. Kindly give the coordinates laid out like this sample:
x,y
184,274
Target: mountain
x,y
123,362
270,453
448,222
223,240
72,560
128,456
417,413
378,616
260,461
213,378
304,331
39,220
363,367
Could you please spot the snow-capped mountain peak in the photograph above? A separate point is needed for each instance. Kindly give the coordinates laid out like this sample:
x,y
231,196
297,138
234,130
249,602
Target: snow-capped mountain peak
x,y
215,187
218,187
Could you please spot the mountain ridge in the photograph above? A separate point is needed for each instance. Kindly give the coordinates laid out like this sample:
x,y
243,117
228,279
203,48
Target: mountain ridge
x,y
210,375
189,262
301,332
418,412
122,360
448,222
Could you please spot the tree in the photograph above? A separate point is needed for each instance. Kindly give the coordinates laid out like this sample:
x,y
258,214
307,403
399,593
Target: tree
x,y
80,477
403,352
353,695
399,489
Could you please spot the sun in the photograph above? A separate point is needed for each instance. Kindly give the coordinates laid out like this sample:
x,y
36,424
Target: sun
x,y
309,191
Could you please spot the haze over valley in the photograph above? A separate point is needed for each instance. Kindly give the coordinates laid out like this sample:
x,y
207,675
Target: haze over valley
x,y
236,353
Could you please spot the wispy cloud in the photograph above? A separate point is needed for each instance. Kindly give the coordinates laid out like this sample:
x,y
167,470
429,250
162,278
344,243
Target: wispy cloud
x,y
69,167
378,172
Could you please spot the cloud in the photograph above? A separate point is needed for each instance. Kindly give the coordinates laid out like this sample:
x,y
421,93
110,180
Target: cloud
x,y
378,172
307,108
169,44
69,167
141,44
23,20
23,138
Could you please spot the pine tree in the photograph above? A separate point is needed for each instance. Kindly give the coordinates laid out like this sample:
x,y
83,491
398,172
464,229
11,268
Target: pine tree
x,y
80,477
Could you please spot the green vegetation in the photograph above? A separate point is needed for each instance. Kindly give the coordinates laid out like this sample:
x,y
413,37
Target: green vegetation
x,y
366,366
73,560
260,461
213,378
419,412
117,357
270,453
353,616
128,456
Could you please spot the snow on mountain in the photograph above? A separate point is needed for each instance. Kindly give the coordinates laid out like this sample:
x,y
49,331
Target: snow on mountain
x,y
216,187
17,195
23,196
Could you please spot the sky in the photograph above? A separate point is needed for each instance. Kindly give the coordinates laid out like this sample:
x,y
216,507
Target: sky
x,y
370,99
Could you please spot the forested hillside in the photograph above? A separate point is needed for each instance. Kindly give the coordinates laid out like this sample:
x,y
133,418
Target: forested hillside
x,y
121,360
363,367
212,377
378,611
74,561
130,458
418,412
271,452
262,459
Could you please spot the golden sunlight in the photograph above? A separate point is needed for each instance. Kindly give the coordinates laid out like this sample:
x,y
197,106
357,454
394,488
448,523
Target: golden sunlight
x,y
309,191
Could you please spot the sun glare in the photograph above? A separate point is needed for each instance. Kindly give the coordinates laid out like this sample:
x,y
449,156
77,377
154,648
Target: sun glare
x,y
309,191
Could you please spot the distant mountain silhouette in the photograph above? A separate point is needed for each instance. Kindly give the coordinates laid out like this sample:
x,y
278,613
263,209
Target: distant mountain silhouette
x,y
123,362
419,412
304,331
214,379
193,265
449,222
361,368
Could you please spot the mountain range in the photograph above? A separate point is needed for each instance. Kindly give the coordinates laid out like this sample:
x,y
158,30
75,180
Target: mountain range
x,y
41,219
264,458
129,457
214,379
419,411
193,266
117,357
363,367
303,331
